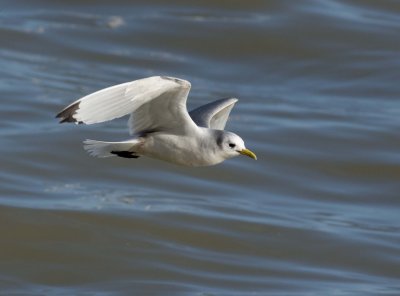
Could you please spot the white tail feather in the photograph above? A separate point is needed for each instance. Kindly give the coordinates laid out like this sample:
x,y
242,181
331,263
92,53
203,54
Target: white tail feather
x,y
103,149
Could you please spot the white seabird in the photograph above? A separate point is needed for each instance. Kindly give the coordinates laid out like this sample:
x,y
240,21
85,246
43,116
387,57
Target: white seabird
x,y
159,123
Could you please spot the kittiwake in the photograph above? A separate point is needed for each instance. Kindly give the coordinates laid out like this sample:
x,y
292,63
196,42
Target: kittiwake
x,y
160,125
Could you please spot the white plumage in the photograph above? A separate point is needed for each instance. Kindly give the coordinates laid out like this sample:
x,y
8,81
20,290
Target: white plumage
x,y
159,123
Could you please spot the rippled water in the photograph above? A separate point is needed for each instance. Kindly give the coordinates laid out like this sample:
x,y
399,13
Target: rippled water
x,y
317,214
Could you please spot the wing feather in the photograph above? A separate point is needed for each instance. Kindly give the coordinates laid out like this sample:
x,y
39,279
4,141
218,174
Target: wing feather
x,y
154,102
213,115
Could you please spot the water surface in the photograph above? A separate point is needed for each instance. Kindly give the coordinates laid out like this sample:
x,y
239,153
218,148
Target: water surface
x,y
317,214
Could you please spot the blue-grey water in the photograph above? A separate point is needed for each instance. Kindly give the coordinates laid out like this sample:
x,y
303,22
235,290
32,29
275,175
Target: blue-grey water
x,y
318,88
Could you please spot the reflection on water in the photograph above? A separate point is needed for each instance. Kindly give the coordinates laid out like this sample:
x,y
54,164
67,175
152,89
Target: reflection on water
x,y
316,214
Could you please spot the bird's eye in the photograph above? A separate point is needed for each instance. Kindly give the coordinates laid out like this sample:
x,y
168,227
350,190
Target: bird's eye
x,y
232,145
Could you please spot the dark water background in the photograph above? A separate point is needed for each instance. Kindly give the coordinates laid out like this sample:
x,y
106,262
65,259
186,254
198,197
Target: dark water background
x,y
317,214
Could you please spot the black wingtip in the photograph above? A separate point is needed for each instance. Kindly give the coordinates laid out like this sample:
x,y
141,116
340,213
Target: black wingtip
x,y
67,115
125,154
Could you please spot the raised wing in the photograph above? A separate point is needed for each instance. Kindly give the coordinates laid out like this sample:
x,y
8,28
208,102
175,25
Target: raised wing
x,y
154,103
213,115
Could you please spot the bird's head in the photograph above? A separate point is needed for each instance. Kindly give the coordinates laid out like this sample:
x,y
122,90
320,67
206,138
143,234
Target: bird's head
x,y
232,145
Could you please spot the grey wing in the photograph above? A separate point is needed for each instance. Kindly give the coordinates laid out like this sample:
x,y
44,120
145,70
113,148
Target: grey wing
x,y
213,115
154,103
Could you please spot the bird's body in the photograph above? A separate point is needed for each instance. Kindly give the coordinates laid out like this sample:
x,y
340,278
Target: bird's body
x,y
191,149
160,125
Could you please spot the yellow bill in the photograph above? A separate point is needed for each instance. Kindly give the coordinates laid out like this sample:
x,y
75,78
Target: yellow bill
x,y
248,153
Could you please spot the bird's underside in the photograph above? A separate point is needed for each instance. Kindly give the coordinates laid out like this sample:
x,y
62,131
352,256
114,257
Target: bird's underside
x,y
157,107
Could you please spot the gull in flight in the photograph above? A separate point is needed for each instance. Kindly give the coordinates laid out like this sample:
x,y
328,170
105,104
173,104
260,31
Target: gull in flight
x,y
160,125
